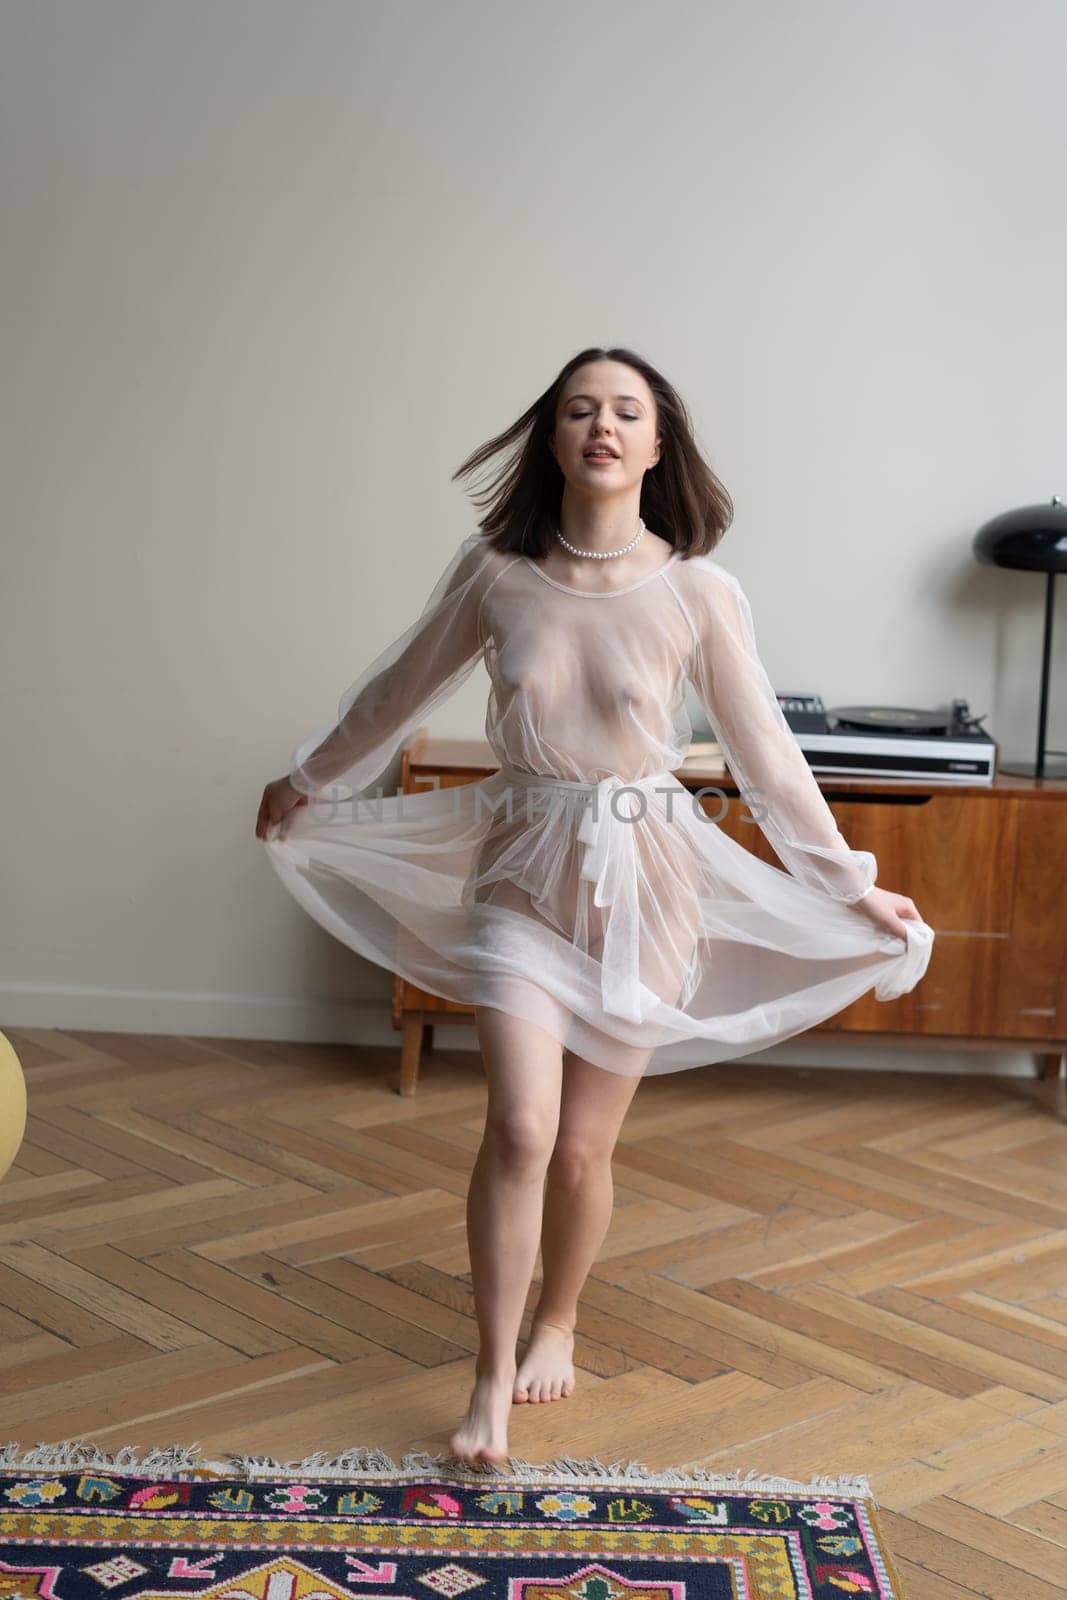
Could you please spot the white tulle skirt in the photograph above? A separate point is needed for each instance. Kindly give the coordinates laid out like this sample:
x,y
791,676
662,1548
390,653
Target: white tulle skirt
x,y
627,924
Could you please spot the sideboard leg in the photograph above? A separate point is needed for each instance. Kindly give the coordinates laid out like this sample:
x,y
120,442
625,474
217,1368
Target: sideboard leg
x,y
1049,1065
410,1052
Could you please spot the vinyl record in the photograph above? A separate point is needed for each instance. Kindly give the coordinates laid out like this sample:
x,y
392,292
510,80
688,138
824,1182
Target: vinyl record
x,y
890,719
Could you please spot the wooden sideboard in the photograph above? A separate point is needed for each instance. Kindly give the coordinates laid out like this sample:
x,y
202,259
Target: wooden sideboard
x,y
986,866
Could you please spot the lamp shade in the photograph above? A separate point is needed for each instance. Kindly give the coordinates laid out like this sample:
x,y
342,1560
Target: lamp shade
x,y
1031,538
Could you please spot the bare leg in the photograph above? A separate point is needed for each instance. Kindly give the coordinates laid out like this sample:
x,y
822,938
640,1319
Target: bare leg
x,y
579,1196
524,1066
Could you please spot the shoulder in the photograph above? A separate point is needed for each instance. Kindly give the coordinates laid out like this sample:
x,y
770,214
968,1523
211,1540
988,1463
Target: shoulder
x,y
472,558
479,558
703,579
471,571
715,603
478,549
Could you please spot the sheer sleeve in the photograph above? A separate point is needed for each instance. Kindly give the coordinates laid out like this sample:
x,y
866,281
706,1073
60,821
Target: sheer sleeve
x,y
404,683
761,750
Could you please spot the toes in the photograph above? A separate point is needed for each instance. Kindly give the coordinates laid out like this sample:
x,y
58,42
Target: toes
x,y
540,1391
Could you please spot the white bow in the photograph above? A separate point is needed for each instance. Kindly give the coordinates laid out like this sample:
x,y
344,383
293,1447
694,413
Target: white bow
x,y
610,863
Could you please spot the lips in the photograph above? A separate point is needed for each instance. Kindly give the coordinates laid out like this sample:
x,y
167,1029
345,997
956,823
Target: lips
x,y
602,450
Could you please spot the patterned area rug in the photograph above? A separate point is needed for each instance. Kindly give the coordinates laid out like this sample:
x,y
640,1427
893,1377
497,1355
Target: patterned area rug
x,y
77,1522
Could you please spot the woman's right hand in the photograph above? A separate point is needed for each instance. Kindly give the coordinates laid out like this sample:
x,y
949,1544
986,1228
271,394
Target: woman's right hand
x,y
279,799
890,910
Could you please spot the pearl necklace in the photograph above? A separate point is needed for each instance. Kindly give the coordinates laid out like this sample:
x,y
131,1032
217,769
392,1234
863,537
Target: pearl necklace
x,y
603,555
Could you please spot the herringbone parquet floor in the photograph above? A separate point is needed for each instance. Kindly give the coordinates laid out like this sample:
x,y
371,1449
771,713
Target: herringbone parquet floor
x,y
261,1247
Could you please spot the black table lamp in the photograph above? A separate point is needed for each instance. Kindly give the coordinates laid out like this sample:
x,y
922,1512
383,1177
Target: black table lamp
x,y
1032,539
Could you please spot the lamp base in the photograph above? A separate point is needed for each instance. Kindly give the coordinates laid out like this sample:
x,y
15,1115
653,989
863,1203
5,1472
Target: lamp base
x,y
1028,769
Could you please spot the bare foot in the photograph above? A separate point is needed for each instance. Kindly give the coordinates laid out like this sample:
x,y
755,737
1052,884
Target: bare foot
x,y
546,1371
483,1433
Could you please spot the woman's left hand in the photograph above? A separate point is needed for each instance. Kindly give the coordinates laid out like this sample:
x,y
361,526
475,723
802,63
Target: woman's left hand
x,y
890,911
279,800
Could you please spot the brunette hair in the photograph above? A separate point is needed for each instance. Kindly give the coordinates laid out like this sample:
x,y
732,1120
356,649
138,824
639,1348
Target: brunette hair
x,y
681,498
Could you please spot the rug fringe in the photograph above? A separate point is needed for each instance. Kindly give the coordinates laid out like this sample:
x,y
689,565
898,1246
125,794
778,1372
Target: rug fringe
x,y
74,1453
368,1462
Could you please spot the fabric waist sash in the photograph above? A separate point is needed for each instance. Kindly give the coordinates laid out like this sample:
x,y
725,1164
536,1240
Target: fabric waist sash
x,y
602,786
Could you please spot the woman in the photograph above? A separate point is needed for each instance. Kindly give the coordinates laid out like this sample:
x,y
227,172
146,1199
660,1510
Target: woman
x,y
590,911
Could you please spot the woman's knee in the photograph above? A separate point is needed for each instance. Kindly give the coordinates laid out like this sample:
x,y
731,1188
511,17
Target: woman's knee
x,y
576,1156
521,1139
593,1106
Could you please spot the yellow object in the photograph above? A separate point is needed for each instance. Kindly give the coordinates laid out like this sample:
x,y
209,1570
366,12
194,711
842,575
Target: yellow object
x,y
12,1104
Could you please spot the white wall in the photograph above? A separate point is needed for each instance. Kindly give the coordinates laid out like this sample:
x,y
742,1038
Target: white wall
x,y
272,270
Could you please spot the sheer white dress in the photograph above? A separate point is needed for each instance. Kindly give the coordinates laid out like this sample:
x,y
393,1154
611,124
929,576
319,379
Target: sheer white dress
x,y
582,886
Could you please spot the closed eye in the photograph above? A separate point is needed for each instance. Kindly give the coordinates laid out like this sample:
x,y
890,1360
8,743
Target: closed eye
x,y
627,416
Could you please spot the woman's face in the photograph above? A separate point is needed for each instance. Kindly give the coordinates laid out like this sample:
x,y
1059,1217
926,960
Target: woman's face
x,y
606,404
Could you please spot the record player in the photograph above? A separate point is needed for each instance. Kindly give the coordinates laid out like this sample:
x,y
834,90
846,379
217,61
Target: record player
x,y
892,741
